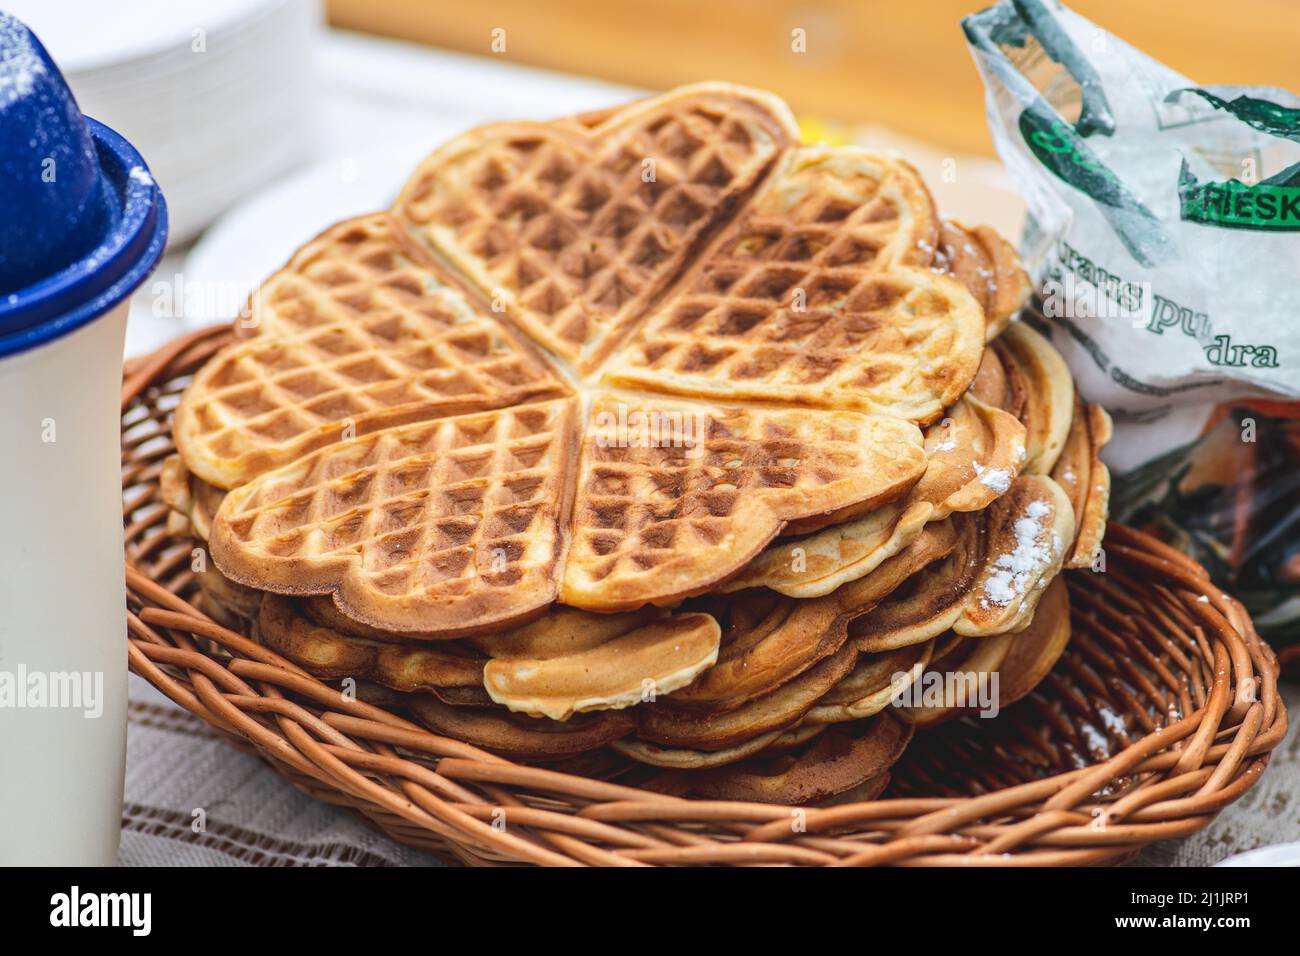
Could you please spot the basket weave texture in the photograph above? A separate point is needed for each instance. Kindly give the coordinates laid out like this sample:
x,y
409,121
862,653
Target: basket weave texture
x,y
1162,711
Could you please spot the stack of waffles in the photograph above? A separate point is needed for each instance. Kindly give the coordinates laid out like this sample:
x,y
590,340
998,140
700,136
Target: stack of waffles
x,y
649,443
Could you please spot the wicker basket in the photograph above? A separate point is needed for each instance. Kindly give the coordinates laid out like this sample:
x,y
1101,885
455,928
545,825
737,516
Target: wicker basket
x,y
1163,710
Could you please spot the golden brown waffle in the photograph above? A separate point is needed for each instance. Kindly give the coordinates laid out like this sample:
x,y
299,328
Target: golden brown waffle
x,y
660,523
546,376
518,735
461,524
839,761
1019,661
1039,382
998,384
929,602
972,456
453,525
1085,479
189,497
355,334
193,504
819,294
446,670
571,661
769,639
546,231
872,685
990,583
629,669
987,266
665,724
580,662
1027,533
575,229
793,313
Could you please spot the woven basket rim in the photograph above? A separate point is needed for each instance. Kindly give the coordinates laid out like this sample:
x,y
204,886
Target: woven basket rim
x,y
454,800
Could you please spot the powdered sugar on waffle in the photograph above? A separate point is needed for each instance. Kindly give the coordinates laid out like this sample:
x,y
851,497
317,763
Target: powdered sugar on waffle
x,y
999,479
1013,572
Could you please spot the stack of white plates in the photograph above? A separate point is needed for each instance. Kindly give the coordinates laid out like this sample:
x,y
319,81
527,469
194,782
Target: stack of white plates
x,y
216,94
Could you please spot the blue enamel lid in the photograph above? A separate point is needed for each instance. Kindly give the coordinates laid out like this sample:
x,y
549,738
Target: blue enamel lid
x,y
83,223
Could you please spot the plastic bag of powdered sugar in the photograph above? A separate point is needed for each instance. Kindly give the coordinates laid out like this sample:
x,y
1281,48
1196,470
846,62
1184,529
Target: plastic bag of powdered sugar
x,y
1164,240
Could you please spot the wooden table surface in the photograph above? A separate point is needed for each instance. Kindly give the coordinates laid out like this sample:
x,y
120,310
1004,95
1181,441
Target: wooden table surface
x,y
899,63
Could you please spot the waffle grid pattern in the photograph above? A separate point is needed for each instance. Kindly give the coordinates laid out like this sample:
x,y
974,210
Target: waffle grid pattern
x,y
824,266
885,342
712,483
577,230
467,508
353,332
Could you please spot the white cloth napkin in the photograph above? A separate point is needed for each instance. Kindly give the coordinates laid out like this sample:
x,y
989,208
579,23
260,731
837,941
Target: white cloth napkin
x,y
251,816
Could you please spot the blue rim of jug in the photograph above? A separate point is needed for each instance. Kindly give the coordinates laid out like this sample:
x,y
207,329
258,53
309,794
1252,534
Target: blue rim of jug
x,y
88,288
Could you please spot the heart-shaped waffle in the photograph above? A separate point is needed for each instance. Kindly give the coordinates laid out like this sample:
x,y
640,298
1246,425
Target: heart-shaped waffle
x,y
826,264
576,229
355,334
461,524
972,456
426,424
657,521
453,525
